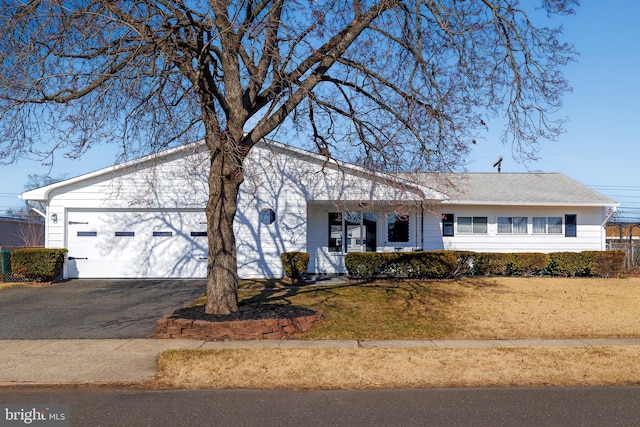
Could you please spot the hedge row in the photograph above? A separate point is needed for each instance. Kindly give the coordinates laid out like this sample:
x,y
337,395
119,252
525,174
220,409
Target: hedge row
x,y
566,264
451,264
435,264
38,264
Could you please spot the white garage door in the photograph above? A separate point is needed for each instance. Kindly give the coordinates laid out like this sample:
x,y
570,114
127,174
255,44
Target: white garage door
x,y
136,244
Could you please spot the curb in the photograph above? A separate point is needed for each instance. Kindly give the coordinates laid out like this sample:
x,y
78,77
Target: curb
x,y
126,361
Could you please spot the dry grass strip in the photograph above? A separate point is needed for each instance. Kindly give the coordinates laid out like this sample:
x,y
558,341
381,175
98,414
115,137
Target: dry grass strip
x,y
544,308
399,368
7,285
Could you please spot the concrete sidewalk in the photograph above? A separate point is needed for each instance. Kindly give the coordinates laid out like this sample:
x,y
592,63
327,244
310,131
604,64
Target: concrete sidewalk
x,y
131,360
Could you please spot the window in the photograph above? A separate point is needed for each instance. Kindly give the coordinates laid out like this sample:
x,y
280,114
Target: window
x,y
512,225
447,224
162,233
398,228
554,225
267,216
539,224
570,225
352,231
124,234
472,224
547,225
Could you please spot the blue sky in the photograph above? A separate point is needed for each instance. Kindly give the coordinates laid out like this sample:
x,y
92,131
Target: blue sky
x,y
600,145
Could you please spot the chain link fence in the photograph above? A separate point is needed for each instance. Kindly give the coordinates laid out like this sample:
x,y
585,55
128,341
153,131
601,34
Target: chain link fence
x,y
5,265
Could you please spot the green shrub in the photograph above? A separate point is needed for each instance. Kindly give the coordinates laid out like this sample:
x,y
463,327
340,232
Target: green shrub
x,y
364,265
570,264
527,264
432,265
415,265
38,264
490,263
451,264
295,264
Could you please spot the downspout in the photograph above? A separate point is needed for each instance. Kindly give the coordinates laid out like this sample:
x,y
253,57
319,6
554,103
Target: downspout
x,y
604,225
421,225
39,213
606,220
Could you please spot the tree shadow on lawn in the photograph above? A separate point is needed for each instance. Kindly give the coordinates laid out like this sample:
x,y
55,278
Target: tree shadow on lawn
x,y
406,292
263,305
273,298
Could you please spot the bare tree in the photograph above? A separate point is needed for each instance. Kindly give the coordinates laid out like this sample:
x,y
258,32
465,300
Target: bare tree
x,y
401,85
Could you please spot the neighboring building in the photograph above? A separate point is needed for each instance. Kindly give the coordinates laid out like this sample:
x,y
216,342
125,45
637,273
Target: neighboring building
x,y
623,232
145,218
20,232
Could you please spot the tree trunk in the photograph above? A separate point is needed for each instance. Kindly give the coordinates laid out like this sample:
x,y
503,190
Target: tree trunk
x,y
225,177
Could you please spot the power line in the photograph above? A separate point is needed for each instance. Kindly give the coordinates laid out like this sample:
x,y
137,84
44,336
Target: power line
x,y
622,187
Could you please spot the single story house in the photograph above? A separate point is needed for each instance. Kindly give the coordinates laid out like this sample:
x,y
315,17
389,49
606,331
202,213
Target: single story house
x,y
145,218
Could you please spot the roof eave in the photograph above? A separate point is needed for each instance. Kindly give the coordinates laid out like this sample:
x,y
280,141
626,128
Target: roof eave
x,y
42,194
512,203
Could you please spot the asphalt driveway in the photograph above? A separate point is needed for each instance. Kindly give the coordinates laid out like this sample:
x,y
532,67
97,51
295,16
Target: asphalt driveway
x,y
86,308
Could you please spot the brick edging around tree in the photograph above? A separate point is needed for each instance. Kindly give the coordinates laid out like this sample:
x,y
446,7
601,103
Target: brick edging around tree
x,y
171,327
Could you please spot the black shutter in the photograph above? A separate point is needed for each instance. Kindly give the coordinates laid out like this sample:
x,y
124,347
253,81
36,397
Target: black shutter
x,y
570,225
447,224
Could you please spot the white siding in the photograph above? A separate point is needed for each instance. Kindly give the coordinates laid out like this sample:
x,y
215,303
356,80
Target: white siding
x,y
590,232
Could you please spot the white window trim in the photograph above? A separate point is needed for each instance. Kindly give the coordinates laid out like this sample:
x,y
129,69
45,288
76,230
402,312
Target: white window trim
x,y
512,225
472,232
547,232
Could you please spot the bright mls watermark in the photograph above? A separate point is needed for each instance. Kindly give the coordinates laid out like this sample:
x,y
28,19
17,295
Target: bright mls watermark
x,y
34,415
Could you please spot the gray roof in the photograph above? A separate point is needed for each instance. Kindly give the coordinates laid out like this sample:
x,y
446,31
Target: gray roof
x,y
514,189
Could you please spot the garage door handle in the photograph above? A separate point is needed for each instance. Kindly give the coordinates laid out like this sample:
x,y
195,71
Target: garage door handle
x,y
74,257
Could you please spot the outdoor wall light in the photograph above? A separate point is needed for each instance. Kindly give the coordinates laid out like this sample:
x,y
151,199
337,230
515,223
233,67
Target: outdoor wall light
x,y
54,218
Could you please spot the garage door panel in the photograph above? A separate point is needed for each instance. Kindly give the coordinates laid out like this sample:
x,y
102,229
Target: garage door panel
x,y
136,244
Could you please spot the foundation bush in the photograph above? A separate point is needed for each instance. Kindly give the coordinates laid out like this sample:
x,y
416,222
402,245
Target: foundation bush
x,y
295,265
38,264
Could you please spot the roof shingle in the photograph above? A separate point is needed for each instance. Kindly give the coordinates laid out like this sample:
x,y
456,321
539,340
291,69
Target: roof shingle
x,y
515,189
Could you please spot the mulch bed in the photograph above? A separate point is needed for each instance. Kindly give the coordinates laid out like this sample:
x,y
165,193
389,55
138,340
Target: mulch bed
x,y
250,311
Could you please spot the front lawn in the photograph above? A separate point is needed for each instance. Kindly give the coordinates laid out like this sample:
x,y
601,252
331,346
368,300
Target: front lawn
x,y
477,308
472,309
